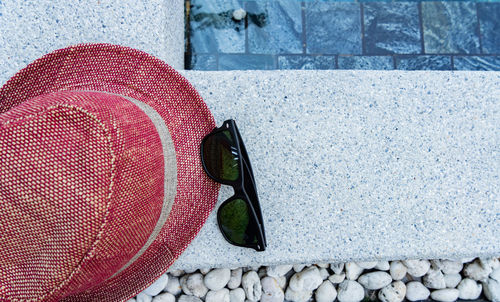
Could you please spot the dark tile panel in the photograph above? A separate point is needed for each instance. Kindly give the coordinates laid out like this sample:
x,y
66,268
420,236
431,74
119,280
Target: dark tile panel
x,y
246,62
434,62
489,20
306,62
477,63
366,62
203,62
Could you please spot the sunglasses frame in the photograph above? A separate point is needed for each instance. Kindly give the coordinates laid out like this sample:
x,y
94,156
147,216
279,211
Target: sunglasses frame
x,y
238,185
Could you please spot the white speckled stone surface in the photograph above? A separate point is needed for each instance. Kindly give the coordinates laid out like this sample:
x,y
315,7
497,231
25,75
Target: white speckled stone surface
x,y
361,165
30,29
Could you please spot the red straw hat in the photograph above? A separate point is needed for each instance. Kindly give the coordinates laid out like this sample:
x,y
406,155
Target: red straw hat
x,y
101,184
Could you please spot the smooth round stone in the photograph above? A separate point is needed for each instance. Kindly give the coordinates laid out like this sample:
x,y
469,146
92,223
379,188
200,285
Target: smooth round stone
x,y
326,292
494,263
350,291
271,291
165,297
157,286
417,268
367,264
282,282
416,291
307,280
176,273
434,279
142,297
445,295
383,266
352,271
394,292
452,280
297,296
205,271
221,295
323,272
397,270
251,284
469,289
217,278
467,260
239,14
298,267
235,279
185,298
278,270
477,270
195,285
451,267
173,286
336,279
183,282
337,268
322,265
190,271
491,288
375,280
237,295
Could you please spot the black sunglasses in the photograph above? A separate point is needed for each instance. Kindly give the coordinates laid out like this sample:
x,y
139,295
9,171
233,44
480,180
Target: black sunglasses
x,y
225,160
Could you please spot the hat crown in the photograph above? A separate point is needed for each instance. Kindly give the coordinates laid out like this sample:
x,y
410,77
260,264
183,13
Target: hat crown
x,y
72,161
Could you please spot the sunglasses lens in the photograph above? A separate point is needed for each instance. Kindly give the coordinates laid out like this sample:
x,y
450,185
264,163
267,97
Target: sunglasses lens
x,y
235,222
221,157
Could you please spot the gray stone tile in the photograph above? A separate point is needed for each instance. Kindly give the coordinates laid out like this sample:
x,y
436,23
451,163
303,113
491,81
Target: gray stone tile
x,y
246,62
274,27
489,21
450,27
203,62
391,28
423,62
333,28
366,62
306,62
212,28
476,63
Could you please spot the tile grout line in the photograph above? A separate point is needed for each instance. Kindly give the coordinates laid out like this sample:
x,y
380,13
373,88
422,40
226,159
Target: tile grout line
x,y
452,62
421,27
394,62
479,30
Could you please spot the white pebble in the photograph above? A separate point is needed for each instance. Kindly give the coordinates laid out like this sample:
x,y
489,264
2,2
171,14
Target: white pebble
x,y
416,291
469,289
383,266
221,295
158,286
352,271
183,282
322,265
326,292
323,272
451,267
251,284
300,296
417,268
165,297
477,270
173,286
271,291
491,286
298,267
350,291
205,271
131,300
196,286
142,297
337,268
217,278
397,270
262,272
375,280
177,273
239,14
494,263
467,260
445,295
394,292
434,279
367,264
307,280
190,271
235,279
452,280
237,295
278,270
185,298
335,279
282,282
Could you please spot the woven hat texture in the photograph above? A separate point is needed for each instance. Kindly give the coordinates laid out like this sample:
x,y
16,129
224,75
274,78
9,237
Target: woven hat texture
x,y
84,174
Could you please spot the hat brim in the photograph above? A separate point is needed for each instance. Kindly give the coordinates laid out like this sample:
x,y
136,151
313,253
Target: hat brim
x,y
136,74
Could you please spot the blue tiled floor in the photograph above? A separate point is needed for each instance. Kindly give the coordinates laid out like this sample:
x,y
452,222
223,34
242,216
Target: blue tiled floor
x,y
331,34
